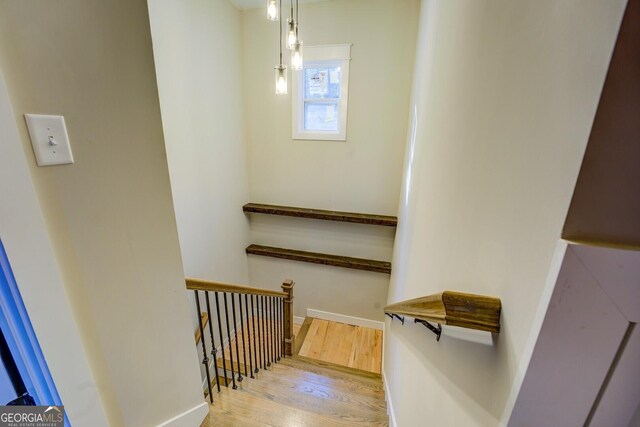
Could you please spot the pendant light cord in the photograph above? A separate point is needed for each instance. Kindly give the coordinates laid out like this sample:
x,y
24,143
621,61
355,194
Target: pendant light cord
x,y
280,43
297,19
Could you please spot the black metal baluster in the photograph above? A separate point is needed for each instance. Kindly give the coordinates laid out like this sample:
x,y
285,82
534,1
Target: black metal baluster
x,y
265,356
275,333
224,359
278,328
272,341
235,333
205,359
256,339
214,350
246,310
226,315
258,315
244,348
268,329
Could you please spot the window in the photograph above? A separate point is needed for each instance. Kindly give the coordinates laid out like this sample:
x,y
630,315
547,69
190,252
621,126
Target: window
x,y
320,93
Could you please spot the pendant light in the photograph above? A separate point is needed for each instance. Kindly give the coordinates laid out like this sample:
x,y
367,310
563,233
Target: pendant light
x,y
292,33
272,10
296,56
281,69
296,53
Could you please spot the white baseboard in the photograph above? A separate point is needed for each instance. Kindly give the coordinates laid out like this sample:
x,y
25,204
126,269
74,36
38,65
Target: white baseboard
x,y
191,418
387,397
350,320
297,320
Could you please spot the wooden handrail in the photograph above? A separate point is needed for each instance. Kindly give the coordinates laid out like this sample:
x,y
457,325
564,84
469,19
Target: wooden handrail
x,y
454,309
206,285
248,310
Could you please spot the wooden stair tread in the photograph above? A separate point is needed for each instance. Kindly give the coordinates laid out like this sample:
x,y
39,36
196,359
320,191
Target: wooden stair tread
x,y
321,258
327,215
334,372
248,409
348,381
290,396
352,346
314,397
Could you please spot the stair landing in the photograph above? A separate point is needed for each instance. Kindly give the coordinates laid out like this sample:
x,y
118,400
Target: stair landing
x,y
356,347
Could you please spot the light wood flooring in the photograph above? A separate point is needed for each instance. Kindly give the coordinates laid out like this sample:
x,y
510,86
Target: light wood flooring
x,y
297,391
356,347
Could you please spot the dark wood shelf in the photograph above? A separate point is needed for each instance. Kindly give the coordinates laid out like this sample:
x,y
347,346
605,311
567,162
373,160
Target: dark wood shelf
x,y
454,309
319,258
358,218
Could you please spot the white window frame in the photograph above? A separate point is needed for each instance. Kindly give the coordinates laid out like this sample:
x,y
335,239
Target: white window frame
x,y
327,55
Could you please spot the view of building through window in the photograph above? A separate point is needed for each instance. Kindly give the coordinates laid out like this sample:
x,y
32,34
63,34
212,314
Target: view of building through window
x,y
321,98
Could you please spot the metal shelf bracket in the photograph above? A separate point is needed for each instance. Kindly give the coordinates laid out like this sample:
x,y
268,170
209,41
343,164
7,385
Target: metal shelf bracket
x,y
392,315
437,331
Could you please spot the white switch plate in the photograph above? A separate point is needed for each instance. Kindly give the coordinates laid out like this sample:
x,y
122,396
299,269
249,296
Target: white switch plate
x,y
49,139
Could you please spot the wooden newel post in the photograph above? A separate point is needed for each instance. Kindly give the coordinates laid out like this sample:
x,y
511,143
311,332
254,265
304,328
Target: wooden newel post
x,y
289,338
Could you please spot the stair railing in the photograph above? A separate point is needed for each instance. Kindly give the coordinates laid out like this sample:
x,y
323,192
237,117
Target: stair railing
x,y
450,308
262,325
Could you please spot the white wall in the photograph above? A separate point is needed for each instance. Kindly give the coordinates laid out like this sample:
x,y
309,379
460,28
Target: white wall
x,y
584,369
110,215
503,100
24,235
362,174
198,57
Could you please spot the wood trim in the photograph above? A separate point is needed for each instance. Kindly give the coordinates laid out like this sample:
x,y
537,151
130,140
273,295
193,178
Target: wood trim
x,y
289,337
454,309
320,258
302,334
206,285
358,218
204,319
340,368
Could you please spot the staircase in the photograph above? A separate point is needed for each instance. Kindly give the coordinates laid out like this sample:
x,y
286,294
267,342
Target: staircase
x,y
301,392
255,378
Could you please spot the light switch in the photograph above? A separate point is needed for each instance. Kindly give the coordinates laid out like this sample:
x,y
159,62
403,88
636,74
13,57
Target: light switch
x,y
49,139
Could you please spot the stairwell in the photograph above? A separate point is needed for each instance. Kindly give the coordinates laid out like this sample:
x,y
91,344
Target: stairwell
x,y
256,376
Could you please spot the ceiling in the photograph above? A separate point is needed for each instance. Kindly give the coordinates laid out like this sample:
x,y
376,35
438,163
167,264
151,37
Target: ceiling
x,y
251,4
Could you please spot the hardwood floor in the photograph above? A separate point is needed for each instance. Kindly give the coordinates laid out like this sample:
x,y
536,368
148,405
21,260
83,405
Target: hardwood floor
x,y
347,345
298,391
294,392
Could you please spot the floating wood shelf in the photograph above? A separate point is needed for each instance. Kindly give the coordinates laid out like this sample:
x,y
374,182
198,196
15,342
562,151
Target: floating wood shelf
x,y
454,309
319,258
359,218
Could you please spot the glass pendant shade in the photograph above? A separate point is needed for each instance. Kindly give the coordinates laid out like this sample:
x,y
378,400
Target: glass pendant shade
x,y
281,79
272,10
292,36
296,56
